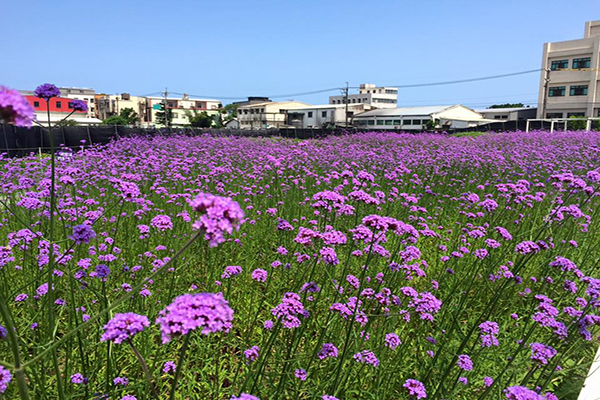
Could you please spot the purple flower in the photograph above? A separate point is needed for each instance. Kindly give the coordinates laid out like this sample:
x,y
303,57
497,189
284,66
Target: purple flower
x,y
120,381
464,362
47,91
252,354
328,350
129,397
366,357
101,271
542,353
300,374
79,379
3,332
392,340
488,381
230,271
5,378
289,309
208,311
14,108
521,393
78,105
415,388
463,380
162,223
169,367
488,330
260,275
328,397
220,215
123,327
82,234
244,396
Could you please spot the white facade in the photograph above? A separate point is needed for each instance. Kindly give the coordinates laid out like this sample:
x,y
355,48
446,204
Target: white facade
x,y
85,94
417,118
266,115
508,114
573,72
323,115
371,95
181,107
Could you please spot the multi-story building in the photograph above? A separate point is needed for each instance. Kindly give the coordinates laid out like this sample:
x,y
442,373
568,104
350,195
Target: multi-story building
x,y
85,94
59,109
180,108
569,83
107,105
371,95
323,115
266,115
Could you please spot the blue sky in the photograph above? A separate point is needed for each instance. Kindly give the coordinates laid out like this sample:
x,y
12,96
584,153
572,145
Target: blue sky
x,y
251,48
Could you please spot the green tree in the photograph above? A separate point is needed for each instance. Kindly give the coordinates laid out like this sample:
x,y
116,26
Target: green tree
x,y
200,120
130,116
507,105
577,123
115,120
162,117
432,124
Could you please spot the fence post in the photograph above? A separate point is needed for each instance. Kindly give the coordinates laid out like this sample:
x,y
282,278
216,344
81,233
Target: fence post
x,y
89,135
5,139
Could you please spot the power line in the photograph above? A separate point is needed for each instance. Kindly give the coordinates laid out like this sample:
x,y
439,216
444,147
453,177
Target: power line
x,y
483,78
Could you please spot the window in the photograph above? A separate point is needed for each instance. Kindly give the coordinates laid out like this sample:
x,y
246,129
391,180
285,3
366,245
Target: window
x,y
416,122
324,114
554,115
172,104
59,104
370,122
578,90
556,91
310,114
579,63
397,122
175,115
91,100
575,114
389,122
36,103
407,122
560,64
380,122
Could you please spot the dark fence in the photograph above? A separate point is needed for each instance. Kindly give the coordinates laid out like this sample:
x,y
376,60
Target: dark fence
x,y
17,141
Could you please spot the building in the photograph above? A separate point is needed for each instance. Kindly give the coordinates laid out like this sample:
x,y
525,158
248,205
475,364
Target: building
x,y
371,95
267,114
323,115
108,105
569,83
508,114
417,118
181,107
86,94
252,100
59,108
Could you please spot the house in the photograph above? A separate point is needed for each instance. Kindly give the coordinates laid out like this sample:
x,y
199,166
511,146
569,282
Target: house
x,y
322,115
232,124
371,95
265,115
418,118
180,108
108,105
59,108
570,79
85,94
508,114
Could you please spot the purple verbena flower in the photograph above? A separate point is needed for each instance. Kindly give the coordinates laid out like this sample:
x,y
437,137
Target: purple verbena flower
x,y
123,327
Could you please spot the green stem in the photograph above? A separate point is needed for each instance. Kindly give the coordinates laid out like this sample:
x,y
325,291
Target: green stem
x,y
182,353
14,344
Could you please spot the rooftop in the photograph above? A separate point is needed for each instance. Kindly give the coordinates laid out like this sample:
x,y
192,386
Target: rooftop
x,y
427,110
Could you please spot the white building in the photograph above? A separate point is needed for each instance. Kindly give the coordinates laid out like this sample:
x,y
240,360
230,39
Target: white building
x,y
573,71
417,118
322,115
85,94
371,95
508,114
180,108
266,115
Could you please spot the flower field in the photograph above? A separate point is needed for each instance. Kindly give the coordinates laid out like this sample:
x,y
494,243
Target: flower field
x,y
369,266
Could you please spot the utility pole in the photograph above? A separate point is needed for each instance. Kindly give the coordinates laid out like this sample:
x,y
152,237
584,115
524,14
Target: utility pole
x,y
546,82
346,101
165,109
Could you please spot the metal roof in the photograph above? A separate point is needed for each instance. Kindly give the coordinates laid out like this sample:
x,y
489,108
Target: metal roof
x,y
412,111
501,110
